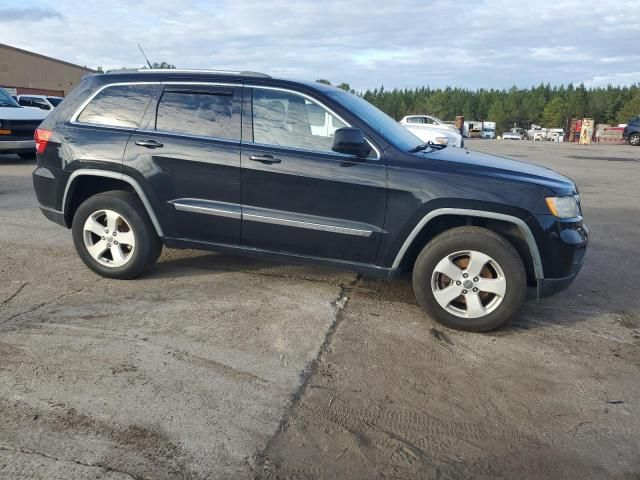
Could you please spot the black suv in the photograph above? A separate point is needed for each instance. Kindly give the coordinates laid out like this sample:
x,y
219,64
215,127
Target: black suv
x,y
240,162
632,132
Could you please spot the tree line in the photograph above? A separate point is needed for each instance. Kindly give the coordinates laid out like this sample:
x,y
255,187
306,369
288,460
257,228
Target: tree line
x,y
520,107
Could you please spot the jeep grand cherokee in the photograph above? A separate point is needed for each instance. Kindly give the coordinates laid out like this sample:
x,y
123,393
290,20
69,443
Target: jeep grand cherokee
x,y
244,163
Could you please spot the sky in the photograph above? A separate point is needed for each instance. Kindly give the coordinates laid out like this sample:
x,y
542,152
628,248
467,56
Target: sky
x,y
366,43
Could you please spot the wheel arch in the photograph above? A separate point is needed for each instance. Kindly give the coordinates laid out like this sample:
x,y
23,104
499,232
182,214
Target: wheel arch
x,y
437,221
84,183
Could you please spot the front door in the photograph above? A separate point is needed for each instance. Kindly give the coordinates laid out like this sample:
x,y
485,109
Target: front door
x,y
190,155
298,196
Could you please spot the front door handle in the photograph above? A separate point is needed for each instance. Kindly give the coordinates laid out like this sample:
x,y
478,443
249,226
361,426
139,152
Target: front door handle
x,y
266,159
149,143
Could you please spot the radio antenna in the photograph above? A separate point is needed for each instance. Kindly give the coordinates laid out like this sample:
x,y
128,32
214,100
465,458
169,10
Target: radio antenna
x,y
145,57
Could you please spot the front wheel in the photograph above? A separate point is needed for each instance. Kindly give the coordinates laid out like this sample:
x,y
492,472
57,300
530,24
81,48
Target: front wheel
x,y
114,236
469,278
634,139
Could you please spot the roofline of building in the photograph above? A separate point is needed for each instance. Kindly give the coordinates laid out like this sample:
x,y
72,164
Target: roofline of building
x,y
33,54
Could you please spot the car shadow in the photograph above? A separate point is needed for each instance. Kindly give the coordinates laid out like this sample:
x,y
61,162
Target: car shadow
x,y
589,297
187,263
6,160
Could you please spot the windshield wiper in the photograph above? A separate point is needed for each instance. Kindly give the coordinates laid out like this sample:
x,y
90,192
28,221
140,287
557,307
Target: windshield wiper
x,y
424,146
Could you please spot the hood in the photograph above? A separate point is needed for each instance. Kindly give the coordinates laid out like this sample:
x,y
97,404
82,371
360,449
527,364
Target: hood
x,y
506,168
22,113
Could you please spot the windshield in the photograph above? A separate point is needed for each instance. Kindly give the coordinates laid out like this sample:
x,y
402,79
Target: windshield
x,y
7,100
54,100
382,123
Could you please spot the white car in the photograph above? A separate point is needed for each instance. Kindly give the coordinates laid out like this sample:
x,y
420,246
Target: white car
x,y
488,133
511,136
43,102
17,126
429,134
430,121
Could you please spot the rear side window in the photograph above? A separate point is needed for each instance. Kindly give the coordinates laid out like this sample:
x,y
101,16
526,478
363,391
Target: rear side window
x,y
118,106
200,114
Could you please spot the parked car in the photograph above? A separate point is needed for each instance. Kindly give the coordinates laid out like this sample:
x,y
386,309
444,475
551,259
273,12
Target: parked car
x,y
43,102
17,127
511,135
229,162
488,133
428,134
631,132
429,120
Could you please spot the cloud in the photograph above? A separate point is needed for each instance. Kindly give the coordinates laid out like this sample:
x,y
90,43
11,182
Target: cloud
x,y
485,43
32,14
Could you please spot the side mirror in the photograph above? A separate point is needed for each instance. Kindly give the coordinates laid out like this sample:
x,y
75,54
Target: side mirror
x,y
350,141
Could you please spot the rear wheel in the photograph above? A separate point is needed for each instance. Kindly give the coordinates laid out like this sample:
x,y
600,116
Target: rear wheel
x,y
469,278
634,139
114,236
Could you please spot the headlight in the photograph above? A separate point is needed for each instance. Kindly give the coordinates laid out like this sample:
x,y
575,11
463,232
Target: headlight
x,y
442,140
564,207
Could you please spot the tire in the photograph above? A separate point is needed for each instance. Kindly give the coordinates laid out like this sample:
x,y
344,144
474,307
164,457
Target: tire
x,y
126,256
489,261
634,139
27,155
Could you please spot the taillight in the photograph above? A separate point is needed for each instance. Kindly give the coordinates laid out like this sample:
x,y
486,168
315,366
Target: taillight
x,y
41,136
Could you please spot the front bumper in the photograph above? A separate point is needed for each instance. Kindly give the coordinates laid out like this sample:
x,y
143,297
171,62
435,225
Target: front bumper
x,y
10,146
551,286
563,247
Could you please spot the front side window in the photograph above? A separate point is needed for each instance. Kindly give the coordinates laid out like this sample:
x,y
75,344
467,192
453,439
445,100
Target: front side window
x,y
118,106
195,113
291,120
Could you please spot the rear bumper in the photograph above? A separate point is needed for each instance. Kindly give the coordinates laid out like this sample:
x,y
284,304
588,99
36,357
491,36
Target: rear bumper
x,y
10,146
49,184
53,215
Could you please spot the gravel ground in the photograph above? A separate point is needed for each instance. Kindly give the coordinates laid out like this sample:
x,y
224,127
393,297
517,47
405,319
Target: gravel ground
x,y
214,366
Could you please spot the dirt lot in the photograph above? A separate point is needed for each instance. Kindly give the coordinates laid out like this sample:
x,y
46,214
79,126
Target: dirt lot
x,y
221,367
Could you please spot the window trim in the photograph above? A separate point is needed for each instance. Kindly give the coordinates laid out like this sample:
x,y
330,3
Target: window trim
x,y
74,118
314,100
185,134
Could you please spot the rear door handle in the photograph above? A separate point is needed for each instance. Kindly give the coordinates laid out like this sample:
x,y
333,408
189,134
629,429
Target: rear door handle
x,y
149,143
266,159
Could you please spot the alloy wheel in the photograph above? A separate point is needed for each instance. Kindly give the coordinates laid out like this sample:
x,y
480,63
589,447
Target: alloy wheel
x,y
468,284
108,238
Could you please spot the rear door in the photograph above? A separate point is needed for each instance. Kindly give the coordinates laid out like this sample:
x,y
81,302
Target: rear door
x,y
189,155
299,196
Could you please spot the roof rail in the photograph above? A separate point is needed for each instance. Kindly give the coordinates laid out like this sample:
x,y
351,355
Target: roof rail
x,y
244,73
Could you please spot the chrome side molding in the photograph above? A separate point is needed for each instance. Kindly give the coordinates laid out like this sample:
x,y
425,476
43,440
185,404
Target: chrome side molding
x,y
208,207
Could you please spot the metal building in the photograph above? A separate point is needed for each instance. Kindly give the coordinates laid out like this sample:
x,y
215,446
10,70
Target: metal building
x,y
24,72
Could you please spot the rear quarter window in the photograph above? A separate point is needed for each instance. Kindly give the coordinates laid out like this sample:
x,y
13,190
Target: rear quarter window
x,y
118,106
